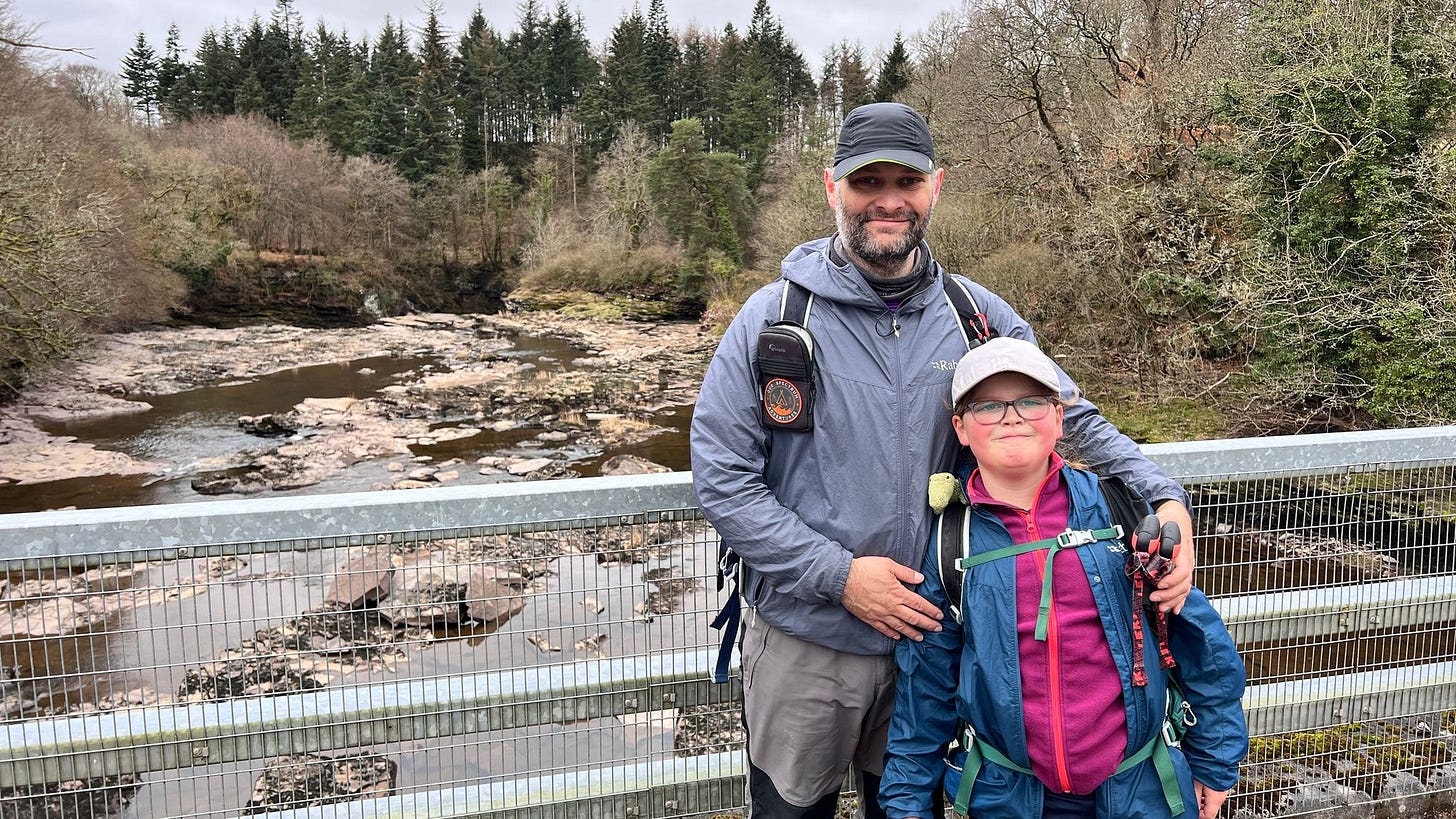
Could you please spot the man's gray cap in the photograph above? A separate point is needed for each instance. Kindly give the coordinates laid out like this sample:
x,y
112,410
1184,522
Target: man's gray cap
x,y
883,132
1004,354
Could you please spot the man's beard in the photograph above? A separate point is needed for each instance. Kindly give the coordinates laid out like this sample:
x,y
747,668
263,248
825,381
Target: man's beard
x,y
861,243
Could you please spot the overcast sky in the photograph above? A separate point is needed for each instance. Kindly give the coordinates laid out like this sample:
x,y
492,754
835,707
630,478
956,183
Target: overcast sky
x,y
109,27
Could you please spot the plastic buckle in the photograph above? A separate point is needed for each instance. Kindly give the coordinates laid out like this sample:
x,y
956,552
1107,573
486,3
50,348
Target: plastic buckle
x,y
1070,538
1170,735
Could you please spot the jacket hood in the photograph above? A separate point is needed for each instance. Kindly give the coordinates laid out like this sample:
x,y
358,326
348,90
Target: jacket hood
x,y
814,268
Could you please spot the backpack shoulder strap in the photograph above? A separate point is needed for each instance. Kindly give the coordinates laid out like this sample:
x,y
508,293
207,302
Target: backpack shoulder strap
x,y
952,541
1125,505
795,304
972,324
952,538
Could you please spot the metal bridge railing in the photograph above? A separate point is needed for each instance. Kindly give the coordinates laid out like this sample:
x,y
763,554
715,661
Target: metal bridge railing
x,y
542,649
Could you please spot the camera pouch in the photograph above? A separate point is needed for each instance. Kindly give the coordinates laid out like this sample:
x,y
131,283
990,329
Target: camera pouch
x,y
786,377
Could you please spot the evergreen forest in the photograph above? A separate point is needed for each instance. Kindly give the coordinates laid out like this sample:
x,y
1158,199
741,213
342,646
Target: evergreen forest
x,y
1225,217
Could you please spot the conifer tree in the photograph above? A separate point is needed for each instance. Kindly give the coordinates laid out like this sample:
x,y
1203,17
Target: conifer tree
x,y
569,64
773,85
280,59
391,71
216,75
854,80
251,96
139,71
894,73
329,98
693,82
727,66
478,71
622,95
523,81
660,62
431,136
172,80
704,202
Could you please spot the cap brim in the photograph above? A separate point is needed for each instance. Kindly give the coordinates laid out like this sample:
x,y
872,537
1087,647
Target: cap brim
x,y
910,159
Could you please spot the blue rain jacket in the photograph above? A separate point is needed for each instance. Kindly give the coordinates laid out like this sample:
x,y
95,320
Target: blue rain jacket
x,y
971,674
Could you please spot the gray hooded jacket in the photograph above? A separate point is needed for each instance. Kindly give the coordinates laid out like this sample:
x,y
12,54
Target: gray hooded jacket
x,y
798,506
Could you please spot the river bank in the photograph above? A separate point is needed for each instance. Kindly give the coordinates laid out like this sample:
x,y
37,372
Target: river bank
x,y
466,383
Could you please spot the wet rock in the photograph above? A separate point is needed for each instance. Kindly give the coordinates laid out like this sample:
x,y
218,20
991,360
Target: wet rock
x,y
592,644
266,426
494,595
1302,790
708,729
362,582
426,599
445,434
56,617
62,458
215,485
240,675
426,473
447,475
1402,796
542,643
630,465
336,405
309,780
338,638
669,587
526,467
637,544
76,799
1442,782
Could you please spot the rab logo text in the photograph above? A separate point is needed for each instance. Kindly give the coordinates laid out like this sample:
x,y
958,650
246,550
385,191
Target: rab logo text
x,y
782,401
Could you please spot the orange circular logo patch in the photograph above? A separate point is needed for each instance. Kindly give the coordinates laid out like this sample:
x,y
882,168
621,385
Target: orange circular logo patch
x,y
782,401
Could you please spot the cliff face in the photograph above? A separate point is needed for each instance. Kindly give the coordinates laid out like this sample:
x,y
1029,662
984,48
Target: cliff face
x,y
318,291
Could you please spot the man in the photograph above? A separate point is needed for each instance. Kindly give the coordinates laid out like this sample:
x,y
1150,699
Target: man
x,y
829,521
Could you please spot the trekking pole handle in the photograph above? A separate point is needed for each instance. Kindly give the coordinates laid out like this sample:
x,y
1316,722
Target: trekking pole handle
x,y
1171,536
1145,535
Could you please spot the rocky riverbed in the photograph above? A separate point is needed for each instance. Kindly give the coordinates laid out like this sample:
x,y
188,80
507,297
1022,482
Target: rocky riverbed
x,y
626,373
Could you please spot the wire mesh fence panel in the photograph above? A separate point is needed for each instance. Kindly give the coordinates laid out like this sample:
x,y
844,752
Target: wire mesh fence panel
x,y
560,666
1362,655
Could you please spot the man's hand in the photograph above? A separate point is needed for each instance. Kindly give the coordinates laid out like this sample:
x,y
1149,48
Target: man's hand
x,y
1209,800
1173,589
876,593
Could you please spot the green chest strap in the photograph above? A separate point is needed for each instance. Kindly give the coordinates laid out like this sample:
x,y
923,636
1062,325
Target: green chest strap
x,y
1069,539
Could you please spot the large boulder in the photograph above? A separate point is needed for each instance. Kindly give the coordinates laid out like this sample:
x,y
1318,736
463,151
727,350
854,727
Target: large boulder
x,y
363,581
631,465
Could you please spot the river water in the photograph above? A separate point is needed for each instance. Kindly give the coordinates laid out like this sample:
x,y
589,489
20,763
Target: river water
x,y
186,428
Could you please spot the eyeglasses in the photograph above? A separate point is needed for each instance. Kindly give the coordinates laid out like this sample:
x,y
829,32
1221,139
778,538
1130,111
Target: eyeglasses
x,y
1030,408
